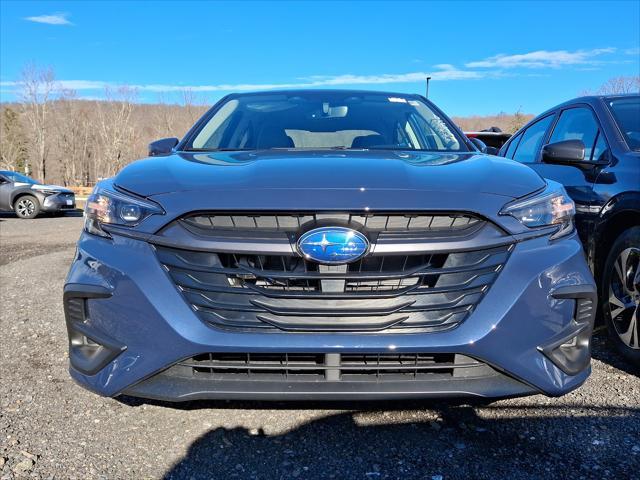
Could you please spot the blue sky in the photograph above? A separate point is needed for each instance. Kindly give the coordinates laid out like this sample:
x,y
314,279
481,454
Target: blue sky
x,y
484,57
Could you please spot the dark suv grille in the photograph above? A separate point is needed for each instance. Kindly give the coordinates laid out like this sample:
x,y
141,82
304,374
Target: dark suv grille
x,y
310,367
377,293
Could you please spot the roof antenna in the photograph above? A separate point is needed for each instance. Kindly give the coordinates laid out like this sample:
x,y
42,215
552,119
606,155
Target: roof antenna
x,y
428,78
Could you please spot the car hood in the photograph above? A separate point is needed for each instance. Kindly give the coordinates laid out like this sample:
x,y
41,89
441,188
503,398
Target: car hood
x,y
56,188
328,170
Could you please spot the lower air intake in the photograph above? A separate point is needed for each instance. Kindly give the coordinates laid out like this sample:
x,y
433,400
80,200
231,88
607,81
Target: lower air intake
x,y
352,367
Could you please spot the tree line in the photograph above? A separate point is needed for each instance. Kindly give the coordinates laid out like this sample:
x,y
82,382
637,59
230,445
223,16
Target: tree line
x,y
55,137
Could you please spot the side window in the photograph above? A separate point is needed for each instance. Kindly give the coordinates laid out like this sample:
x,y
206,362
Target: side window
x,y
512,146
577,124
532,138
599,149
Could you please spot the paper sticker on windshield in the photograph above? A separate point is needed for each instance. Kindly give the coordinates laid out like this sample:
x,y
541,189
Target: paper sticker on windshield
x,y
397,100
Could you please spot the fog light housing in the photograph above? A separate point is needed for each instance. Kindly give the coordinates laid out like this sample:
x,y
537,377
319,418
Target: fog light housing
x,y
89,349
570,350
571,354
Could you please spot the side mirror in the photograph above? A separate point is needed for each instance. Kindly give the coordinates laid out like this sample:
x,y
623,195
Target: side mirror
x,y
480,145
483,146
164,146
567,152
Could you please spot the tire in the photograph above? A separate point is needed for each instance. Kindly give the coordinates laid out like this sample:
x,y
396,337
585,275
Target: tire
x,y
26,206
620,294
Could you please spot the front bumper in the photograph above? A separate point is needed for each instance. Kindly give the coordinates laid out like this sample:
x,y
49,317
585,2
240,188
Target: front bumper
x,y
530,333
58,202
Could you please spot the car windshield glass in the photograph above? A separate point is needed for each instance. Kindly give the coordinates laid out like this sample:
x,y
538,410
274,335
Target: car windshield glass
x,y
18,178
627,114
335,120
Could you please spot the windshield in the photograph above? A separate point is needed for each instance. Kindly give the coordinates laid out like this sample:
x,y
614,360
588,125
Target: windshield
x,y
18,178
335,120
627,114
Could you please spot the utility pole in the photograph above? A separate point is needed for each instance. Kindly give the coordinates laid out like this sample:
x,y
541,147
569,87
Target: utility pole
x,y
428,78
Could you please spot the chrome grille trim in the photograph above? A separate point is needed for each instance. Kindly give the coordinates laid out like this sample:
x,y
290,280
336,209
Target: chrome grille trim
x,y
375,222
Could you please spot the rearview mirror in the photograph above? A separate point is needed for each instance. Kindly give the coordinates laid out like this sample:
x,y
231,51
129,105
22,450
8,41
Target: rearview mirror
x,y
164,146
567,152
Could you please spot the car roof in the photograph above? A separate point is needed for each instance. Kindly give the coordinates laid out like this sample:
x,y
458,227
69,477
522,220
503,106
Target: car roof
x,y
320,91
590,100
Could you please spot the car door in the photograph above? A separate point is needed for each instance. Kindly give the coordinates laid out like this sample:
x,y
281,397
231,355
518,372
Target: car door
x,y
577,122
6,187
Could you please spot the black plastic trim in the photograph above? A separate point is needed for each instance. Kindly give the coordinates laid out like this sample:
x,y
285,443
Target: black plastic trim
x,y
86,357
176,389
573,359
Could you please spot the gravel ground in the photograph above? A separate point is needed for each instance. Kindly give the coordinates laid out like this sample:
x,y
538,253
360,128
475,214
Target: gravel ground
x,y
51,428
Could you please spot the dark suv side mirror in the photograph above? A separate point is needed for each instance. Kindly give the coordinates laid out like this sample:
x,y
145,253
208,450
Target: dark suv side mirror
x,y
567,152
570,152
162,146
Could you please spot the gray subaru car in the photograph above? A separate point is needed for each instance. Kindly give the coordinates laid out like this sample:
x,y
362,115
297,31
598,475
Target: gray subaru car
x,y
27,197
328,245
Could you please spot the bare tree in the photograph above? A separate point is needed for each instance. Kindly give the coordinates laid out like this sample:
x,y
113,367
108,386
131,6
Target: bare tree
x,y
518,121
616,85
13,143
115,130
504,121
164,118
37,88
189,103
74,129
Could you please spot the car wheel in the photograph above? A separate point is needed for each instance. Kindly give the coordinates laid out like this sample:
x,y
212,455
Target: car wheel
x,y
620,293
26,207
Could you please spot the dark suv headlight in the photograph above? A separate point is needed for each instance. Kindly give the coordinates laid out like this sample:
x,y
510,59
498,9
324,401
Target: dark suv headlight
x,y
113,207
551,207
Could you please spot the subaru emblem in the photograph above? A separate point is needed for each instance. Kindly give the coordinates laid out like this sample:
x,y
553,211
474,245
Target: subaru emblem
x,y
333,245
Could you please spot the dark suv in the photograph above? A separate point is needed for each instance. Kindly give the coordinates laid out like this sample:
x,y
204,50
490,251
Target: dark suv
x,y
592,146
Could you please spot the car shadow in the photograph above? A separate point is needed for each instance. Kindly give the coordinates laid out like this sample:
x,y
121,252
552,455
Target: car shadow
x,y
434,441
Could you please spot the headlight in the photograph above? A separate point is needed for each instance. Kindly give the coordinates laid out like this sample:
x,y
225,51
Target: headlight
x,y
551,207
116,208
48,192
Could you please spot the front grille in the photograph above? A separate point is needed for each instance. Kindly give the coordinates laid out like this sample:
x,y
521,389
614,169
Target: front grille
x,y
378,293
311,367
